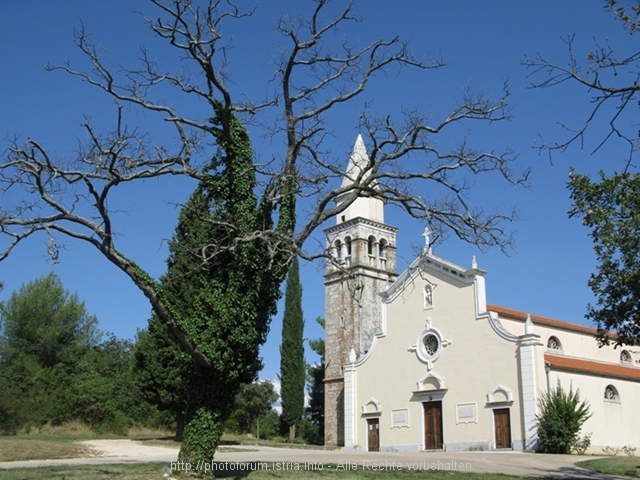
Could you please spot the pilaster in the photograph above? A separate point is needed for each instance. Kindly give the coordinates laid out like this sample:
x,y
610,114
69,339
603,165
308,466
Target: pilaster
x,y
350,402
527,346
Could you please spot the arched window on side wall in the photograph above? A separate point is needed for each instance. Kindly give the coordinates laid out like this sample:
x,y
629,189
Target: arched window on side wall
x,y
611,393
625,357
554,344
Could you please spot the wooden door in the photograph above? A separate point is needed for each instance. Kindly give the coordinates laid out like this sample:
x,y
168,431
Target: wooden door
x,y
373,434
502,422
432,425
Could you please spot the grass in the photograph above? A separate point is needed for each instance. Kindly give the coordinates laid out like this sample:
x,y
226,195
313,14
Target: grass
x,y
626,466
144,471
156,471
233,439
39,447
50,442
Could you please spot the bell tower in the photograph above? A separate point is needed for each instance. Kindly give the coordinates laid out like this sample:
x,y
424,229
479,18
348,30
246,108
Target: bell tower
x,y
362,264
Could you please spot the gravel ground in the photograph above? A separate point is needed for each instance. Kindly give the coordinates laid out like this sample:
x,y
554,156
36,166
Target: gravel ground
x,y
129,448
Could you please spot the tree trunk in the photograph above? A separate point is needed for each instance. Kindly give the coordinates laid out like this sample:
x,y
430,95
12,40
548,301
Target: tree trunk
x,y
292,432
180,419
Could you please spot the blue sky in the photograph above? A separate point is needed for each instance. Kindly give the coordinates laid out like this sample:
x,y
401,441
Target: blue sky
x,y
482,43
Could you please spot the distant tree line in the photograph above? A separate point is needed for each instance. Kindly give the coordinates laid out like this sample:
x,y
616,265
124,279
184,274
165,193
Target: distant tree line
x,y
56,366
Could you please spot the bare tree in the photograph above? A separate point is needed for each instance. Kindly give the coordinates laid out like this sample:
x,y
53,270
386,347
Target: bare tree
x,y
606,203
315,76
610,78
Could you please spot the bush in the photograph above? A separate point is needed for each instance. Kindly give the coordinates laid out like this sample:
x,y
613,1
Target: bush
x,y
115,422
310,432
269,424
629,450
581,446
562,415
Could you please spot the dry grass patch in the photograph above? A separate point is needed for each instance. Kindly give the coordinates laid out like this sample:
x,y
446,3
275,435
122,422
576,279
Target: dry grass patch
x,y
145,432
24,447
73,429
47,442
62,441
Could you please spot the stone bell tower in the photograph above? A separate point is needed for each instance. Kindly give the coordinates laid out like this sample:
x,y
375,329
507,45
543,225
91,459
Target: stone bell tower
x,y
362,264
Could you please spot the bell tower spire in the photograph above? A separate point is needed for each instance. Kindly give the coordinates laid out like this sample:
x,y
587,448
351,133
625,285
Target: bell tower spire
x,y
362,264
369,207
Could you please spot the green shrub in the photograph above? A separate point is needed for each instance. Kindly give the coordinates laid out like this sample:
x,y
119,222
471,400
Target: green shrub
x,y
562,415
114,422
310,432
269,425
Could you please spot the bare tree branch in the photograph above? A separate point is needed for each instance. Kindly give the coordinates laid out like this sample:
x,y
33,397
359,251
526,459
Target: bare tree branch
x,y
598,73
316,77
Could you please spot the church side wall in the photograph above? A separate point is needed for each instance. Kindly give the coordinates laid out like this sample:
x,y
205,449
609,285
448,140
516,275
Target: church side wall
x,y
573,344
614,421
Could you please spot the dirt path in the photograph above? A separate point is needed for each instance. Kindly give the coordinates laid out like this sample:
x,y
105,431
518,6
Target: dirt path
x,y
130,449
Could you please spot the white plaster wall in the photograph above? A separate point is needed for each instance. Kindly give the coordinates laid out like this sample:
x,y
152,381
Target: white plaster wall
x,y
476,362
613,424
574,344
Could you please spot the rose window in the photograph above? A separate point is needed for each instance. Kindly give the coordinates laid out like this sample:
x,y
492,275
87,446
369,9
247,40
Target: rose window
x,y
431,344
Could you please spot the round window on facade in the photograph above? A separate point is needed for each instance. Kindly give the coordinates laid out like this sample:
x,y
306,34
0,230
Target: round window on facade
x,y
429,345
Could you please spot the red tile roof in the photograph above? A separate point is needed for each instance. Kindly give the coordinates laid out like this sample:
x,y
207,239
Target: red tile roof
x,y
539,320
560,362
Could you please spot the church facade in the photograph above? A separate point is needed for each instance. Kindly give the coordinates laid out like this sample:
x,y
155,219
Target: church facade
x,y
419,360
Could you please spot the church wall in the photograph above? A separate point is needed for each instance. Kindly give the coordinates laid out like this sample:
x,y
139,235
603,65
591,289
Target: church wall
x,y
611,419
474,363
614,422
573,343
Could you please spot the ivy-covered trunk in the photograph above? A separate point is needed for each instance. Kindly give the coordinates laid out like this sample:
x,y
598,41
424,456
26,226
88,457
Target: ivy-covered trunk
x,y
201,437
223,281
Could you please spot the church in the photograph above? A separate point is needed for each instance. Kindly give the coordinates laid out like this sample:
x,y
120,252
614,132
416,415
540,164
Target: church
x,y
420,360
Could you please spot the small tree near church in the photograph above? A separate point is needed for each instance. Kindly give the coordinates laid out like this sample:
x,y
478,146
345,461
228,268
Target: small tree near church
x,y
292,364
562,415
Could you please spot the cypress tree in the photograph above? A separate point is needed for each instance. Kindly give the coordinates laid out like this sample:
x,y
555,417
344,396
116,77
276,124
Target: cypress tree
x,y
315,374
292,364
222,283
